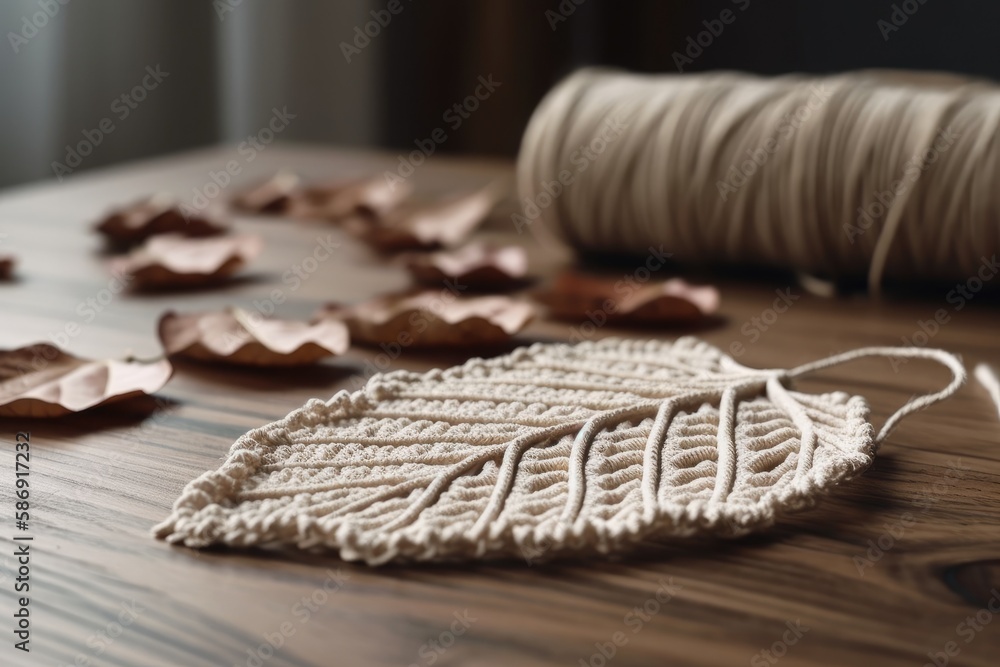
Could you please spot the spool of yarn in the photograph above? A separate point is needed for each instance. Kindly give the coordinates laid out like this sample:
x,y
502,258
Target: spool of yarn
x,y
880,175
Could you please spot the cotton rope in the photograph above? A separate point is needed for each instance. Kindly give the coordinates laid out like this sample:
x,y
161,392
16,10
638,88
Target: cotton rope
x,y
892,176
549,450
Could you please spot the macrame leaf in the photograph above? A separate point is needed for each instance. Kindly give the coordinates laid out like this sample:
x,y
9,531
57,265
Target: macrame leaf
x,y
544,451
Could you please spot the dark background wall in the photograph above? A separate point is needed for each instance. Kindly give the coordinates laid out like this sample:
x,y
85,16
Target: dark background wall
x,y
517,41
231,67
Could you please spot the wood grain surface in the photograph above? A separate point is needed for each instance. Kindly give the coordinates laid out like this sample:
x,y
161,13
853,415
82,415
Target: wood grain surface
x,y
100,481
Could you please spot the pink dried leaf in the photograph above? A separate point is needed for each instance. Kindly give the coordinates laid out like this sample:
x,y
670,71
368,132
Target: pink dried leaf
x,y
432,318
152,216
168,262
574,295
239,337
372,196
7,264
42,381
477,264
274,195
420,225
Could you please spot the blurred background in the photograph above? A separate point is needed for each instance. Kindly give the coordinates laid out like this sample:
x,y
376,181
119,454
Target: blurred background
x,y
386,73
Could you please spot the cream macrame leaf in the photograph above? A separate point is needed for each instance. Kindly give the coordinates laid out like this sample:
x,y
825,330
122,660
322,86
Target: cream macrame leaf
x,y
549,449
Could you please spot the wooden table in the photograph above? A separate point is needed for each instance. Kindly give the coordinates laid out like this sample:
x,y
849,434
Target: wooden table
x,y
101,480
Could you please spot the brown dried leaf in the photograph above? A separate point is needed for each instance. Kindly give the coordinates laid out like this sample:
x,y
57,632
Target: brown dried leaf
x,y
238,337
275,195
477,264
7,264
42,381
575,295
372,196
159,214
168,262
432,318
416,225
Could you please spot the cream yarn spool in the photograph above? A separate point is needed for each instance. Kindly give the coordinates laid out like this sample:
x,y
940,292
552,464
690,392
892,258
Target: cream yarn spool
x,y
885,175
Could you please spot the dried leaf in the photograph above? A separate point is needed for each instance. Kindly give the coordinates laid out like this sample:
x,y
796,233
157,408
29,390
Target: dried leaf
x,y
477,264
574,295
432,318
372,196
415,225
167,262
159,214
42,381
239,337
275,195
7,264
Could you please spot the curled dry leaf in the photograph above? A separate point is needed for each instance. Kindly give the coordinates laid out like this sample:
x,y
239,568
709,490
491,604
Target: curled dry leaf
x,y
476,264
275,195
415,225
43,381
7,264
168,262
575,295
159,214
432,318
239,337
372,196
